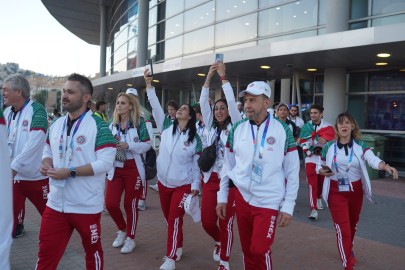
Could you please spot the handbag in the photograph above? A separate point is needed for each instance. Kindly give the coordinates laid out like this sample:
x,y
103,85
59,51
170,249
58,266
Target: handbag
x,y
207,157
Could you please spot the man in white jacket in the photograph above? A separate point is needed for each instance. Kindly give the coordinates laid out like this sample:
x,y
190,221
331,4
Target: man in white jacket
x,y
80,150
27,124
261,160
6,211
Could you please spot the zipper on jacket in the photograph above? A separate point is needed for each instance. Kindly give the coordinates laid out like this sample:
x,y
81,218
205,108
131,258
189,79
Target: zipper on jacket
x,y
254,154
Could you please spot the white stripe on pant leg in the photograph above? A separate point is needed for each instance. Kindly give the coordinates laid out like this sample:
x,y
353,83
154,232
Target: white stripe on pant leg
x,y
311,201
230,235
133,204
268,260
174,238
340,245
97,260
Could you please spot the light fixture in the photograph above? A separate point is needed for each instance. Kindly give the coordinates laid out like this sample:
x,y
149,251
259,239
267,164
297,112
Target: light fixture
x,y
110,88
381,64
155,81
128,84
247,23
311,69
383,55
264,67
201,74
402,70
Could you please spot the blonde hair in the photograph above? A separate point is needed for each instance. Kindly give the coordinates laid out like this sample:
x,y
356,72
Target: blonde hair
x,y
355,133
135,112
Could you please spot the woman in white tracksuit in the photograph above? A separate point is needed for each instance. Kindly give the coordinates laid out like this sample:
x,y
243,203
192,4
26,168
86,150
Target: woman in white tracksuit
x,y
177,169
129,130
219,123
344,165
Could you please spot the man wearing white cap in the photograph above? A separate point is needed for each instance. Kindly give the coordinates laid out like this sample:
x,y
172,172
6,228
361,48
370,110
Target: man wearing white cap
x,y
261,160
149,127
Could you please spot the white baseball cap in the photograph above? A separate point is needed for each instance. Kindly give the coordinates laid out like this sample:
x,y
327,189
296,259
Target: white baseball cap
x,y
192,207
256,89
132,91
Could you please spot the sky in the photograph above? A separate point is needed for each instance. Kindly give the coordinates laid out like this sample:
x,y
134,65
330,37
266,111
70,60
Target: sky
x,y
31,37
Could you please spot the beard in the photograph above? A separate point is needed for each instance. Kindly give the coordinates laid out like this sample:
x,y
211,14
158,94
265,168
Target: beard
x,y
72,106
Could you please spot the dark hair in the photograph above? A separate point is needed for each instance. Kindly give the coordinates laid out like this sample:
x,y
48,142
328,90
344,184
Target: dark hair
x,y
192,130
316,107
355,133
295,107
85,83
173,104
99,104
197,108
223,125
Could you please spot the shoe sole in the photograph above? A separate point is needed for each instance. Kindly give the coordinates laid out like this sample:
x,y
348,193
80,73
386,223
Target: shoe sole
x,y
313,218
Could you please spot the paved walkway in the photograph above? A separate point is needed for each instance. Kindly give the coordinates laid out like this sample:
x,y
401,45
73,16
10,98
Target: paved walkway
x,y
304,245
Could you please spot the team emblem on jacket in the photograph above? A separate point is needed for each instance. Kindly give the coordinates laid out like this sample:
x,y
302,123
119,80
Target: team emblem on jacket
x,y
186,143
81,139
136,139
25,123
226,132
271,140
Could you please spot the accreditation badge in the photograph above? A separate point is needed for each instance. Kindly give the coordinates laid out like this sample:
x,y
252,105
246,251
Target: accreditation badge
x,y
257,172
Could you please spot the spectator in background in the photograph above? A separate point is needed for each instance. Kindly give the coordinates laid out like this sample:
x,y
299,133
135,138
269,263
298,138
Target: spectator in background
x,y
202,131
172,108
101,109
149,127
80,150
27,125
6,200
240,109
92,106
282,115
294,116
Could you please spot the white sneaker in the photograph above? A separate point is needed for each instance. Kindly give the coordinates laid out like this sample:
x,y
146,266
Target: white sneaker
x,y
168,264
154,187
313,215
179,252
120,239
142,205
128,246
319,204
223,265
217,252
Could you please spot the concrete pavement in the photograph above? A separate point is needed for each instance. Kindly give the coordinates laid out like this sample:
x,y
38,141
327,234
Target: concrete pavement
x,y
304,245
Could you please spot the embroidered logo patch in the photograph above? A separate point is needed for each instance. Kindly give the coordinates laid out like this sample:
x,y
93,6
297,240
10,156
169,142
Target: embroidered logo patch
x,y
81,139
25,123
136,139
271,140
186,143
226,132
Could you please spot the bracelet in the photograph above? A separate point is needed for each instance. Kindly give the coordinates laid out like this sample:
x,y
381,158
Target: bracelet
x,y
223,78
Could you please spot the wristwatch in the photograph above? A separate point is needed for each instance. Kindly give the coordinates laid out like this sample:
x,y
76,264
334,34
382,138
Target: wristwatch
x,y
72,172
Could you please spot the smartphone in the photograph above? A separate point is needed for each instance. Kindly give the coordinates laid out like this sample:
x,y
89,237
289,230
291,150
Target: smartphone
x,y
219,57
149,66
328,170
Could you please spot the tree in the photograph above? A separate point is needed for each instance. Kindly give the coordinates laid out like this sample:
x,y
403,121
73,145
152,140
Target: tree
x,y
41,97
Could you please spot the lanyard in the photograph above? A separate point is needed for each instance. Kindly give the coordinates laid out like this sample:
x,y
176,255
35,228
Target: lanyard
x,y
350,159
200,129
261,151
71,137
10,116
119,132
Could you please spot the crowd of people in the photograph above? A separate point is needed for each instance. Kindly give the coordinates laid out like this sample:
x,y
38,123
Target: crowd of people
x,y
81,165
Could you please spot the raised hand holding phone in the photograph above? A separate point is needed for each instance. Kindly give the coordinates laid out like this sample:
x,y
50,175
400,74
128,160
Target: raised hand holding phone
x,y
149,67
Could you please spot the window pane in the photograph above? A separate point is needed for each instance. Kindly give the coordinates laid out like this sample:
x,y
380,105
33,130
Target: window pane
x,y
193,3
174,26
387,6
387,81
174,47
153,16
386,112
322,12
358,9
319,84
357,108
152,35
200,16
229,8
270,3
288,37
173,7
199,40
358,25
358,82
288,17
237,30
388,20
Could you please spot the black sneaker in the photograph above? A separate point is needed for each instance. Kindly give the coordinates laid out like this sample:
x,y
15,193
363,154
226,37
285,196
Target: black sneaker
x,y
19,231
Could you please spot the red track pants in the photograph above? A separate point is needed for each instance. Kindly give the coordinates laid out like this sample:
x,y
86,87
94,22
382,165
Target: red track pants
x,y
345,208
315,185
126,178
35,191
224,232
56,230
257,228
172,203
